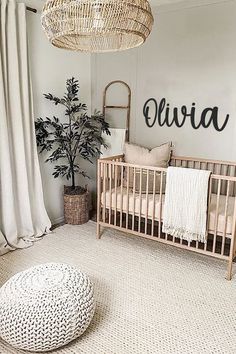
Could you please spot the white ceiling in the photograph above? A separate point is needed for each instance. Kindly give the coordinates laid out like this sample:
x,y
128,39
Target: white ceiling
x,y
38,3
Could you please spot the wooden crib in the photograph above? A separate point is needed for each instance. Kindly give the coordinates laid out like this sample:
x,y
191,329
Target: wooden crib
x,y
131,210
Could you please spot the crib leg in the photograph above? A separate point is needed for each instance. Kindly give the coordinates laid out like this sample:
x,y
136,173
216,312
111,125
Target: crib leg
x,y
229,270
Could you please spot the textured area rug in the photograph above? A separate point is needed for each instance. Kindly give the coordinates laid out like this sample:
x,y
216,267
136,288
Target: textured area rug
x,y
151,298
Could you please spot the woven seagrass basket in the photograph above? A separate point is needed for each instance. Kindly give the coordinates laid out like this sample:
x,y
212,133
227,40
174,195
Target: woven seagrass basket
x,y
76,208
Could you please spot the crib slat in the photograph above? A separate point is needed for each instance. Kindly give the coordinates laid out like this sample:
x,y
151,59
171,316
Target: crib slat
x,y
121,195
147,200
154,202
134,188
232,243
225,217
194,166
110,192
127,201
216,215
160,207
104,166
223,185
98,198
209,204
113,171
116,177
140,199
234,186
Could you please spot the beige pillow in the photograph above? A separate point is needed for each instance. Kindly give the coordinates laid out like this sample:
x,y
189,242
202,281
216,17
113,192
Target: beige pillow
x,y
138,155
157,157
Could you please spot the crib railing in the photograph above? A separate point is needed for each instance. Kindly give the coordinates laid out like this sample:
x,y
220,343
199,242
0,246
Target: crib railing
x,y
225,168
222,168
131,197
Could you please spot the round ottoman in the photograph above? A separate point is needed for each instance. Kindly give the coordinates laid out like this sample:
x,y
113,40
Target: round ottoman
x,y
45,307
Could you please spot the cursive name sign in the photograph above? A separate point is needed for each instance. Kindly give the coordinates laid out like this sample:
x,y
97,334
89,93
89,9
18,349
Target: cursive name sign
x,y
164,115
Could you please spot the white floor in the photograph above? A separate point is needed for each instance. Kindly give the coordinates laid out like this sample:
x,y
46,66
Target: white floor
x,y
151,298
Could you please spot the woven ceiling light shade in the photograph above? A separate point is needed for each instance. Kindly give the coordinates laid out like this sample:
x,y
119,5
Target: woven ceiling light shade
x,y
97,26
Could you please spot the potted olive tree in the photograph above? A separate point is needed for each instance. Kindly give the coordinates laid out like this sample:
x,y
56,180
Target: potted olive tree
x,y
78,137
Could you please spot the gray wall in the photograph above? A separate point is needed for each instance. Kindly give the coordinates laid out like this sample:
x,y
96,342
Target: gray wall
x,y
50,68
189,57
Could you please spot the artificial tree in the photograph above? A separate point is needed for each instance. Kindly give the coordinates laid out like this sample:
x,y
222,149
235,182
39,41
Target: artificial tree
x,y
78,137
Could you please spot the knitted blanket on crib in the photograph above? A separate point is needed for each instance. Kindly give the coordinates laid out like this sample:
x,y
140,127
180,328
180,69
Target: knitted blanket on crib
x,y
185,207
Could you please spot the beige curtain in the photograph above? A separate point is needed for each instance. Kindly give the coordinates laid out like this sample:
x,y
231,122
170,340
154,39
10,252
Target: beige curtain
x,y
23,218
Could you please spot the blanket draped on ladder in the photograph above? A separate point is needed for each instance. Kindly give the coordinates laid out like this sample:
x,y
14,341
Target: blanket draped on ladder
x,y
185,207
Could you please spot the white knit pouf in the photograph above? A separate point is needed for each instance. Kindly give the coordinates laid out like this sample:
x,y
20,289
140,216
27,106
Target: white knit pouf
x,y
45,307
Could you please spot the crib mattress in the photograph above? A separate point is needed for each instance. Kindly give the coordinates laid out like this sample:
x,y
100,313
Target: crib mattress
x,y
150,207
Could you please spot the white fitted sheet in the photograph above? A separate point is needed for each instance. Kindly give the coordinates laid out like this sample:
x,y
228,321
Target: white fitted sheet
x,y
133,202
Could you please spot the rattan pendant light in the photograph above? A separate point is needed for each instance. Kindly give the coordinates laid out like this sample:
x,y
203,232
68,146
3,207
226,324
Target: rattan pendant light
x,y
97,25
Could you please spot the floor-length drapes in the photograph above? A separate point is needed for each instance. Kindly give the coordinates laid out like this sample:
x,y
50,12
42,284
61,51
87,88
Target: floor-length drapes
x,y
23,217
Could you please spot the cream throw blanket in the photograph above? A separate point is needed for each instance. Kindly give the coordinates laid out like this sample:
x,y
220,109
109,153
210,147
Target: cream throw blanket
x,y
115,142
185,207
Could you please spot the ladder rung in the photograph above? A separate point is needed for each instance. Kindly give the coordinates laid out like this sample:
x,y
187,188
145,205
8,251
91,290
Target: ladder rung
x,y
122,107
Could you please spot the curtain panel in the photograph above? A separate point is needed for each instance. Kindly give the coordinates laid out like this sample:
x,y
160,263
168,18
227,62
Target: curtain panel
x,y
23,217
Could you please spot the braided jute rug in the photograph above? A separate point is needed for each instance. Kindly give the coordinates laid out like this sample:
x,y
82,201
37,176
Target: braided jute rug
x,y
151,298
